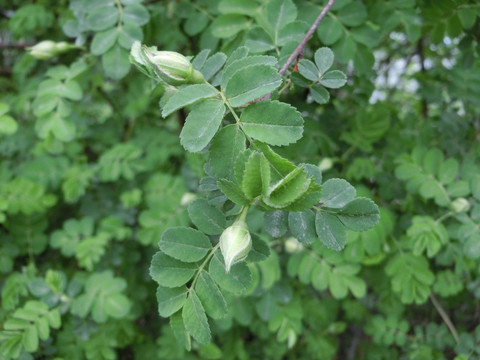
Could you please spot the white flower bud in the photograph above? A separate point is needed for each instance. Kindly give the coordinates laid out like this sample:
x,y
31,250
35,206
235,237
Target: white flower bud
x,y
169,67
460,205
325,164
48,49
235,241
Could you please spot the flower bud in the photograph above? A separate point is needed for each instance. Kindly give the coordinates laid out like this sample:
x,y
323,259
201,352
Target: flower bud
x,y
166,66
235,241
48,49
460,205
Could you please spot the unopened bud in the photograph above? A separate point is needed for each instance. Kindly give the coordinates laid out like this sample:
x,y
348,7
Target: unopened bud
x,y
292,245
235,241
325,164
460,205
48,49
169,67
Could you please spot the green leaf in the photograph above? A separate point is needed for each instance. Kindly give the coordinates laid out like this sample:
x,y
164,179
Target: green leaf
x,y
213,65
319,94
251,83
237,281
292,33
136,14
323,59
211,296
168,272
234,66
117,306
258,41
279,13
353,14
128,34
288,189
170,300
232,191
196,22
102,17
333,79
280,165
226,146
206,217
226,26
272,122
275,223
30,338
245,7
426,234
179,331
185,244
336,193
308,70
195,319
54,124
8,125
359,214
115,62
188,96
201,124
330,231
256,176
103,41
330,30
302,226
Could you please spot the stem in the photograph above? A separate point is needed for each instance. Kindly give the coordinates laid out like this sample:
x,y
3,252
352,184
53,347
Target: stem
x,y
120,13
307,37
445,318
200,269
444,216
303,43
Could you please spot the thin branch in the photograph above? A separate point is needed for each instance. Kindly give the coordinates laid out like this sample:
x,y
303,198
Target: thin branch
x,y
307,37
445,318
301,46
20,45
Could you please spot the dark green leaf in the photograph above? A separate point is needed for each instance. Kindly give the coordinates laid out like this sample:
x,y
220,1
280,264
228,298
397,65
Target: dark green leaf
x,y
237,281
170,300
195,319
359,214
206,218
168,272
187,96
211,296
226,145
330,231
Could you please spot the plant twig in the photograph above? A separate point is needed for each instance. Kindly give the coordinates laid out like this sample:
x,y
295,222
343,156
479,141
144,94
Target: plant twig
x,y
299,49
445,318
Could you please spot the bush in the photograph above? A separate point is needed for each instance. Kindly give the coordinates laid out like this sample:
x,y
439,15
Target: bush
x,y
179,180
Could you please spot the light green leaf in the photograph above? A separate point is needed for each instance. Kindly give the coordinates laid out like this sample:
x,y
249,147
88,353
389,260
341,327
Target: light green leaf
x,y
232,191
168,272
102,17
288,189
227,144
256,176
234,66
54,124
128,34
201,124
330,30
353,14
319,94
195,319
251,83
229,25
336,193
102,41
170,300
187,96
279,13
30,338
330,231
136,14
244,7
196,22
206,217
179,331
333,79
359,214
185,244
323,59
272,122
117,305
115,62
8,125
211,296
308,70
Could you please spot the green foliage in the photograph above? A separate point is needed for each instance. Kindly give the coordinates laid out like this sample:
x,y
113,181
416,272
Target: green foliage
x,y
342,188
